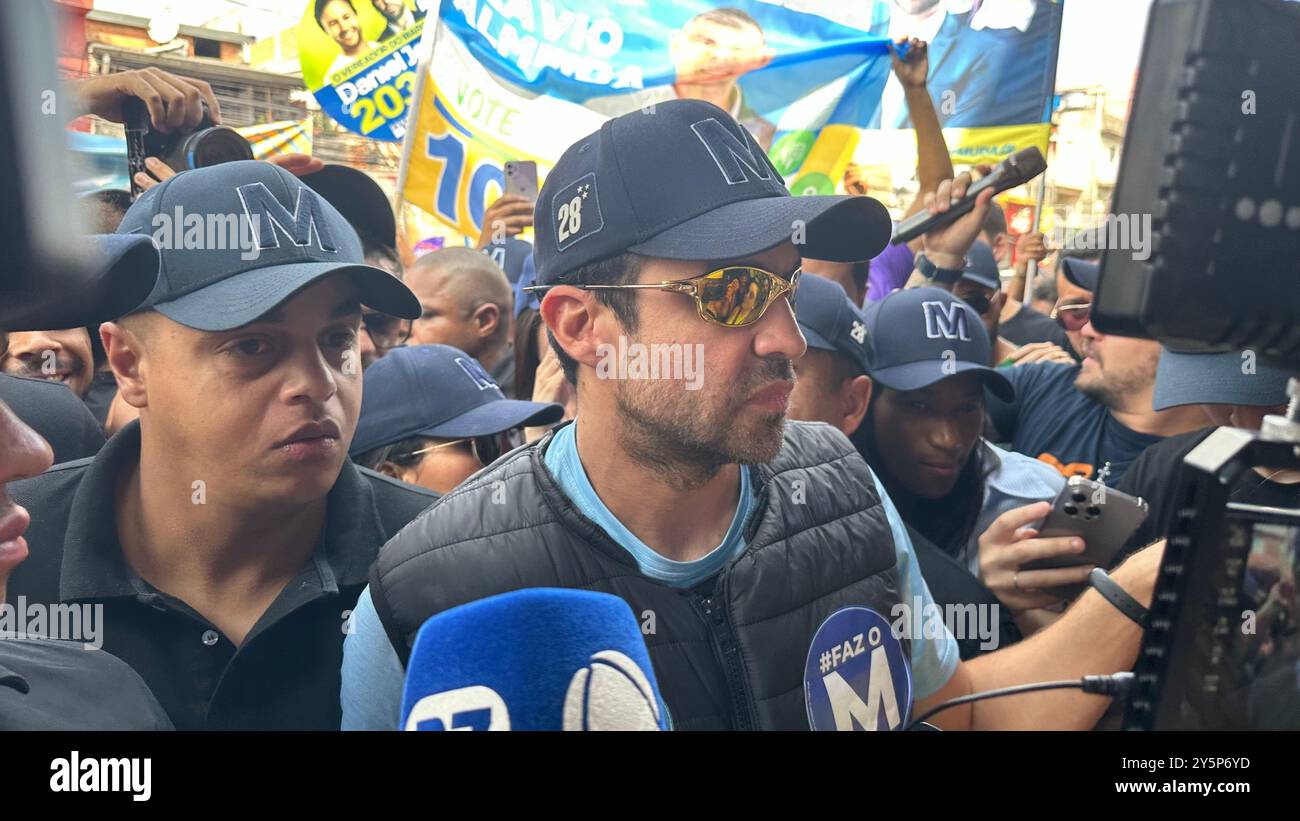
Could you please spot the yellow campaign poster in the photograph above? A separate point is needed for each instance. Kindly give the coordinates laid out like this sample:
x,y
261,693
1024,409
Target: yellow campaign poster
x,y
359,58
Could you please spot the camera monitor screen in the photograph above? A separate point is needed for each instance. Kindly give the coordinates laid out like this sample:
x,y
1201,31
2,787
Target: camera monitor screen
x,y
1241,643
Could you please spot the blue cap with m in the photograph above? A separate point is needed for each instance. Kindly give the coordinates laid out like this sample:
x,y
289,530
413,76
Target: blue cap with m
x,y
236,240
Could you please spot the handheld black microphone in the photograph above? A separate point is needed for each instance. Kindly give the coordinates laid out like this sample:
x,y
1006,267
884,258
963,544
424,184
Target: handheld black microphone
x,y
1020,167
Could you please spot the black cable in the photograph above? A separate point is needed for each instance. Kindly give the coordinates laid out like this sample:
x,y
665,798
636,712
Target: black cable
x,y
1116,684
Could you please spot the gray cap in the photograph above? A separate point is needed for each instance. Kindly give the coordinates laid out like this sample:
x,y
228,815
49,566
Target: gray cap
x,y
1232,378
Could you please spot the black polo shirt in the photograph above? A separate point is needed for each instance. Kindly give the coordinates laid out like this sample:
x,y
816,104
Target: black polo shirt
x,y
286,673
66,685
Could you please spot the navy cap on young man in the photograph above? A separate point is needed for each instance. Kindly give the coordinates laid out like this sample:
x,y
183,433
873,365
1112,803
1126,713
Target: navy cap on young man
x,y
924,335
510,255
265,236
1081,273
981,268
233,492
1229,378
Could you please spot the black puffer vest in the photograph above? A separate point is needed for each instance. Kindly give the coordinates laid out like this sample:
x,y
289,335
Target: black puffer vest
x,y
730,656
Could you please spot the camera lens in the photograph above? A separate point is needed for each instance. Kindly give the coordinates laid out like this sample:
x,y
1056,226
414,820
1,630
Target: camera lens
x,y
214,146
1093,510
1071,510
1078,497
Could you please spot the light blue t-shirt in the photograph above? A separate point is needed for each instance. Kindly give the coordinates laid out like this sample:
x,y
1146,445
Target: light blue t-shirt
x,y
372,674
563,463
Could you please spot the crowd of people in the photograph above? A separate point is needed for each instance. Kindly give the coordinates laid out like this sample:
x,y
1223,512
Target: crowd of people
x,y
269,473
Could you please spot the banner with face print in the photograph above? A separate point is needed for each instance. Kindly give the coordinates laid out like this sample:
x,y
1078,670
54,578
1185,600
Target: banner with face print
x,y
810,79
359,58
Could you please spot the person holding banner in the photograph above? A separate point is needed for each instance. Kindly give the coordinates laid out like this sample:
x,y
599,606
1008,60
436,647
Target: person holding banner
x,y
889,270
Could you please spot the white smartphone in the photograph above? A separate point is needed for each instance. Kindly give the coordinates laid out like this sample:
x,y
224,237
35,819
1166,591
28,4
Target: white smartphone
x,y
521,179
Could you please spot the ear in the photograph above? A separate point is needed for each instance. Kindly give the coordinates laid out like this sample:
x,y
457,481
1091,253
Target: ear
x,y
124,352
391,470
486,318
857,397
570,315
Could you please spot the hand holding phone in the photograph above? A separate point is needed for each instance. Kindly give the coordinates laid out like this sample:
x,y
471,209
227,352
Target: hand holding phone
x,y
1103,517
521,179
512,212
1007,547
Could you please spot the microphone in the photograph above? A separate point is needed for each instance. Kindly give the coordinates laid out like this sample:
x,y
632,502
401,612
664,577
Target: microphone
x,y
534,659
1020,167
857,676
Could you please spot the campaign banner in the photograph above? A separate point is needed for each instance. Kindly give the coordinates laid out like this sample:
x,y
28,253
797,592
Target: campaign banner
x,y
811,80
359,58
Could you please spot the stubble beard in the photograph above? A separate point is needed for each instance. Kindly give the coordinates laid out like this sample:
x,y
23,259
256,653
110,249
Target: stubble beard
x,y
683,438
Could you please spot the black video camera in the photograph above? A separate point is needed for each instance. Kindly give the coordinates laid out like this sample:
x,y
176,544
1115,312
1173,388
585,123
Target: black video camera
x,y
208,144
1212,161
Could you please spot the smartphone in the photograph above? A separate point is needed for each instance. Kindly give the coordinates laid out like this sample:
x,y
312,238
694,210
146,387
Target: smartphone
x,y
521,179
1102,516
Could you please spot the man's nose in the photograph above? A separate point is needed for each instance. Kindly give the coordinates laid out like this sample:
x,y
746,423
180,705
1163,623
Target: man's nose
x,y
23,452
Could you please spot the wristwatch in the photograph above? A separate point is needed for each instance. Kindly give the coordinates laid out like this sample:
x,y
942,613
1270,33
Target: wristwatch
x,y
934,273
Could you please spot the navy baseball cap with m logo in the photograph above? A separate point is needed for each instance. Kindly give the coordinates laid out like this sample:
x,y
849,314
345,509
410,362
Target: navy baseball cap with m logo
x,y
683,180
924,335
237,239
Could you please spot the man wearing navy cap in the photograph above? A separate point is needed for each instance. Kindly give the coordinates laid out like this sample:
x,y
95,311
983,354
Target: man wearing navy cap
x,y
225,533
914,419
432,416
922,435
739,534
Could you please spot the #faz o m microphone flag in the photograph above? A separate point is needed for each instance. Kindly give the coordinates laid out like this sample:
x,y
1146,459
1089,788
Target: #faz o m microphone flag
x,y
811,79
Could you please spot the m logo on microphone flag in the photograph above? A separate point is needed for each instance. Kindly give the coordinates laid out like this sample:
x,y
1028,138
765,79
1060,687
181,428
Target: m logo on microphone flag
x,y
857,675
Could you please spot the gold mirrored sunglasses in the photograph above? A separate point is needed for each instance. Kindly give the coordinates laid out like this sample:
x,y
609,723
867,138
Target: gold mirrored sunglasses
x,y
734,297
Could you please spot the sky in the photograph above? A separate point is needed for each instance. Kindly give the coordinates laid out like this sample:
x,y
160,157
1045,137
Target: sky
x,y
1101,41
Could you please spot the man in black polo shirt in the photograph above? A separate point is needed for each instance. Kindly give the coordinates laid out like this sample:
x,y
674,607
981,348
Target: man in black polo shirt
x,y
225,533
